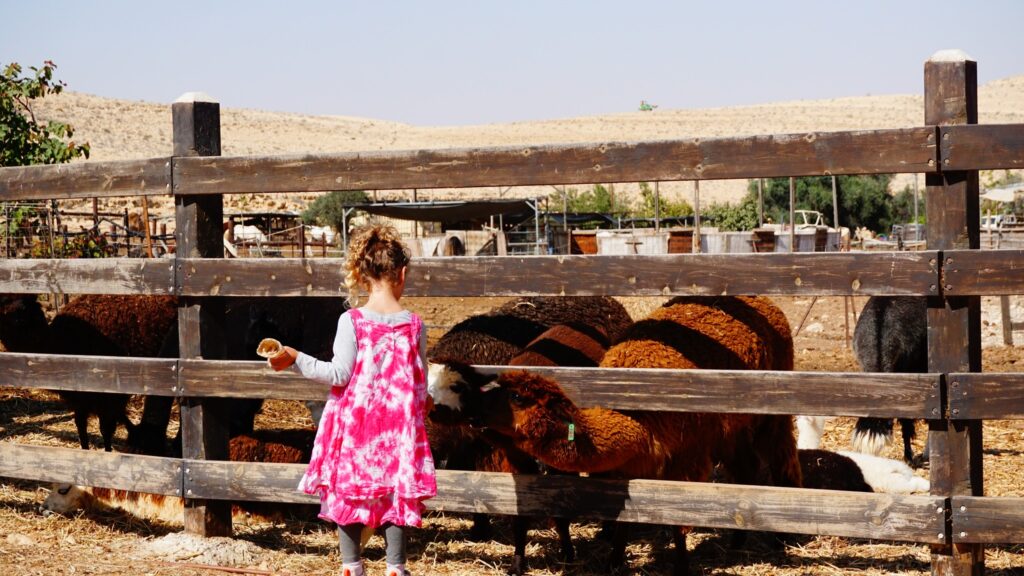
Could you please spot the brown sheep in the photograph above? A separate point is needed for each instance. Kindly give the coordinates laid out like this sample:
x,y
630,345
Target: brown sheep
x,y
90,325
727,333
524,331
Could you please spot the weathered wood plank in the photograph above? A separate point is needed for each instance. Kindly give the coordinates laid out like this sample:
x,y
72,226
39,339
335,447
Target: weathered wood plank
x,y
821,153
882,516
91,468
986,396
150,177
154,376
954,322
982,146
983,272
832,274
87,276
198,234
988,520
825,393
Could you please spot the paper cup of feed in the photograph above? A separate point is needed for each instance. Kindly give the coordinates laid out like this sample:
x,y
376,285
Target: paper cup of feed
x,y
269,348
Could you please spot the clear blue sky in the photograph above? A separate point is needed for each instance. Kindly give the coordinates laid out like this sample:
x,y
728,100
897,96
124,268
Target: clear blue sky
x,y
476,62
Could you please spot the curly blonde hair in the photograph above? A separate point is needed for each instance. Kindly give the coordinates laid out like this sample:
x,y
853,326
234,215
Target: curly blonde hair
x,y
375,252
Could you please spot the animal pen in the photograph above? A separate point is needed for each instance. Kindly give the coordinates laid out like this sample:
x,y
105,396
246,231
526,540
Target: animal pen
x,y
955,520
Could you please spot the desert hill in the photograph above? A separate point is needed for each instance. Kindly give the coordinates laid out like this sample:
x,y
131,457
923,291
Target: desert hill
x,y
121,129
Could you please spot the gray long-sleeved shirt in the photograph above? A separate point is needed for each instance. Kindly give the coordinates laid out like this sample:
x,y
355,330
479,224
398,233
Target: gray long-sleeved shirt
x,y
338,371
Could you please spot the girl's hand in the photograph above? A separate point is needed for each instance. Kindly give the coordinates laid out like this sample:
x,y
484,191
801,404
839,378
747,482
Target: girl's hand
x,y
283,359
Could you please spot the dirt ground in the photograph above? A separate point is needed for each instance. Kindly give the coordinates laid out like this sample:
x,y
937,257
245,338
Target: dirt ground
x,y
112,542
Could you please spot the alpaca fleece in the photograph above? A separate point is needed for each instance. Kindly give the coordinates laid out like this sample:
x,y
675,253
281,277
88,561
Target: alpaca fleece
x,y
688,332
91,325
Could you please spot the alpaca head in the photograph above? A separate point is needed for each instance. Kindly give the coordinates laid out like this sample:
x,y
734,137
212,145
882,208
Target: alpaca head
x,y
525,406
22,323
450,383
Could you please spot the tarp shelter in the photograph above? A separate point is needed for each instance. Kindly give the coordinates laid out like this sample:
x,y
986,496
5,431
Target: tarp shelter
x,y
1002,194
455,215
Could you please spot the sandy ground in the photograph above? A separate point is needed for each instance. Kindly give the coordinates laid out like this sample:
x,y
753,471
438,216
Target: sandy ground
x,y
118,544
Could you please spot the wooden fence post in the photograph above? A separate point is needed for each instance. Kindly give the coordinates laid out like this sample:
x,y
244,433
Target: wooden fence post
x,y
954,323
198,234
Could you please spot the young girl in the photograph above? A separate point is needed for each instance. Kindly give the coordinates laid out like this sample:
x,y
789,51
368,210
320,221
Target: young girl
x,y
371,463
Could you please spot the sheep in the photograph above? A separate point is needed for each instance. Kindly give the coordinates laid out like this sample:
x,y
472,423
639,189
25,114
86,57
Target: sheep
x,y
882,474
891,336
307,322
533,413
825,470
495,337
91,325
545,331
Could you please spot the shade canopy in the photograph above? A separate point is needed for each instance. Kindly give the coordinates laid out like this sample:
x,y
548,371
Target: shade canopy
x,y
451,212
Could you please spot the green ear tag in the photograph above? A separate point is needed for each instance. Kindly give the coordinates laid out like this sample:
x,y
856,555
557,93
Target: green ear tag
x,y
572,431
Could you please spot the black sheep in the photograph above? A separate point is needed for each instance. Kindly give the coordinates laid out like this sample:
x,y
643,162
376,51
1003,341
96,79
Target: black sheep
x,y
891,336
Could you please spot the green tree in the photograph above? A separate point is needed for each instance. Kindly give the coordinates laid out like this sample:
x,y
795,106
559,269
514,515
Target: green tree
x,y
329,209
667,208
863,200
25,140
600,199
728,217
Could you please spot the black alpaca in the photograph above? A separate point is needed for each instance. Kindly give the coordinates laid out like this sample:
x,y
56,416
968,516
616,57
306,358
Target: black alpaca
x,y
891,336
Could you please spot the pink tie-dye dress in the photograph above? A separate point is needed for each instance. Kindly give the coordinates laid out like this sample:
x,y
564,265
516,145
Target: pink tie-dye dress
x,y
371,461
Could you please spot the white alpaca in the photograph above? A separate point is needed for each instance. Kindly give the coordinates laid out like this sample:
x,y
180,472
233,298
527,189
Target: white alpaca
x,y
886,474
809,430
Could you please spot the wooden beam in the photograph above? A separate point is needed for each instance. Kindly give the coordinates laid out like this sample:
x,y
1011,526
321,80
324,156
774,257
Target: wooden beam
x,y
982,272
198,234
91,468
152,376
904,150
988,520
954,322
982,147
986,396
876,516
832,274
150,177
824,393
131,276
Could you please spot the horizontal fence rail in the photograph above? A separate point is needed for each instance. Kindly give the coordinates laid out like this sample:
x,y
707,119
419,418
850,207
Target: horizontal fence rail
x,y
816,153
982,146
823,393
92,468
817,273
88,276
881,516
988,520
833,274
982,272
890,151
86,180
153,376
986,396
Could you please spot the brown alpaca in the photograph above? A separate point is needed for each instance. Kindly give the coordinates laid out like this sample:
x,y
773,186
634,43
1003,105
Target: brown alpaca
x,y
90,325
531,331
534,414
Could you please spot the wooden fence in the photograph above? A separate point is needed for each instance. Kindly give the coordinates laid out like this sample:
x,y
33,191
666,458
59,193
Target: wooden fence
x,y
954,397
